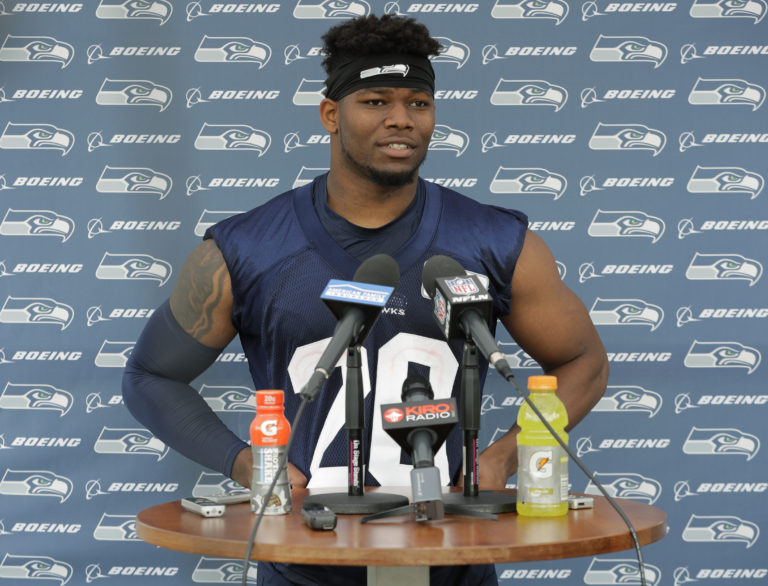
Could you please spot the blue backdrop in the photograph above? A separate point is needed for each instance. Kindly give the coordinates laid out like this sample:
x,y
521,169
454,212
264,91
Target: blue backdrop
x,y
634,135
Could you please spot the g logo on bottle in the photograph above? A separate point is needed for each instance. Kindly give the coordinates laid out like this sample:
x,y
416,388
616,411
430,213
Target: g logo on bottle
x,y
269,427
541,464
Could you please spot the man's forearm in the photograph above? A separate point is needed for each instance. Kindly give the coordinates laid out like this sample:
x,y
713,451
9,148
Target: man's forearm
x,y
157,393
580,386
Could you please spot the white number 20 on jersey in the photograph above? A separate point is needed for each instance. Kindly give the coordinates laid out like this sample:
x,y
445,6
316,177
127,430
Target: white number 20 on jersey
x,y
393,359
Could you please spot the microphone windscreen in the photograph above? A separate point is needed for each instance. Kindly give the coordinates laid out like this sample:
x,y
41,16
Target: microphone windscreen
x,y
438,267
417,383
380,269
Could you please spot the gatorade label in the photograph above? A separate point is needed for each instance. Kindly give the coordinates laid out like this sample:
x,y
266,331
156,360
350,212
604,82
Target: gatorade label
x,y
265,465
543,475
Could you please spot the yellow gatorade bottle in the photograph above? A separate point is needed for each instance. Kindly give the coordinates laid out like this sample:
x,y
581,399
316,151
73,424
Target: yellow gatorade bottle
x,y
542,472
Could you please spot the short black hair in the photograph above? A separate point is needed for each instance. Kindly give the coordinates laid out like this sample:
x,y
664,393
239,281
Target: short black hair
x,y
372,35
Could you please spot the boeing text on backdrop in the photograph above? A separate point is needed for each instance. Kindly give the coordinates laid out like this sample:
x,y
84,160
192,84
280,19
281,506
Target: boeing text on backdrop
x,y
260,274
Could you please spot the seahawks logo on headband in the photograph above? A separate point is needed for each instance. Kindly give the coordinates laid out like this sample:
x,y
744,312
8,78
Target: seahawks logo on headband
x,y
392,69
397,69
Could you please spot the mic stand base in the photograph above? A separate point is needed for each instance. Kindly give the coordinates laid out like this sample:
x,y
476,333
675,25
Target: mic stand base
x,y
343,503
486,501
451,509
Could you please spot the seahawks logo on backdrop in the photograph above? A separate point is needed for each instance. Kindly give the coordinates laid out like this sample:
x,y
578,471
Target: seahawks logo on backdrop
x,y
36,310
132,442
720,529
445,138
555,10
209,483
36,137
725,180
629,399
113,354
721,441
722,355
134,180
528,181
626,312
232,50
133,92
307,175
628,50
529,92
627,137
159,10
754,9
451,52
723,267
605,571
312,9
37,568
36,397
626,485
116,528
38,483
309,93
133,267
222,571
208,218
36,223
36,50
626,224
517,357
224,398
726,92
231,137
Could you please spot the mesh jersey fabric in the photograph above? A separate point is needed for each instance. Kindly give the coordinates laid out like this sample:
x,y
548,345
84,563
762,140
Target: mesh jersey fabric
x,y
280,257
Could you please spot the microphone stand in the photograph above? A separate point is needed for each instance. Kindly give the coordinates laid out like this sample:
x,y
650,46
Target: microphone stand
x,y
471,398
355,501
471,503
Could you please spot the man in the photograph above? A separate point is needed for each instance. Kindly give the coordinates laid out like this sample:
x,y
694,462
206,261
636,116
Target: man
x,y
260,274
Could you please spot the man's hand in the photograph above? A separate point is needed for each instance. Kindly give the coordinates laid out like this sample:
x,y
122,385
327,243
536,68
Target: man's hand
x,y
243,469
497,462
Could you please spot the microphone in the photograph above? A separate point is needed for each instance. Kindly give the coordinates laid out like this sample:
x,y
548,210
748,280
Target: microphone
x,y
356,304
462,307
420,425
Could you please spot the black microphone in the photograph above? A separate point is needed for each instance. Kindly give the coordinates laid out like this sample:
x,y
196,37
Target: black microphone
x,y
420,425
462,307
356,304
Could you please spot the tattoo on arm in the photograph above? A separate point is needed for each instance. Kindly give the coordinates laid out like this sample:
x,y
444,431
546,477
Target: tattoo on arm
x,y
202,298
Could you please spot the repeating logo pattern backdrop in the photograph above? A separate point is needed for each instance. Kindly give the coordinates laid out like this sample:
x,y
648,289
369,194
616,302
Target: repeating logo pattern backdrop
x,y
634,134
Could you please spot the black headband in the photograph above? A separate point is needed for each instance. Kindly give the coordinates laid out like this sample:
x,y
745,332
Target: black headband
x,y
383,70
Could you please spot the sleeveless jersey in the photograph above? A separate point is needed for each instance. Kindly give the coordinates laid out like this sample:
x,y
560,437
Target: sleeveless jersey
x,y
280,258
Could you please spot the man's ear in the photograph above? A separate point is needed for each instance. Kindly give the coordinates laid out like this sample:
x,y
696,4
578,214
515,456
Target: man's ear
x,y
329,115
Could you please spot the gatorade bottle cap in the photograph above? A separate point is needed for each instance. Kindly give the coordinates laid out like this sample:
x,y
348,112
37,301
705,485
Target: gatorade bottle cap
x,y
542,382
269,398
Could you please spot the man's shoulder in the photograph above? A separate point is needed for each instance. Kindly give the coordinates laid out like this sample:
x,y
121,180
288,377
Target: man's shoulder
x,y
456,204
257,221
263,233
264,212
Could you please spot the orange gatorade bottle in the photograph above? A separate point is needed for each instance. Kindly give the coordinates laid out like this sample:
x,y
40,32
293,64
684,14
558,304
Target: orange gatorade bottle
x,y
542,473
269,435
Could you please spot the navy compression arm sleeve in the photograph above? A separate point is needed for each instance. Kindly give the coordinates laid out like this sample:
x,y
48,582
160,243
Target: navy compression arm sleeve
x,y
156,391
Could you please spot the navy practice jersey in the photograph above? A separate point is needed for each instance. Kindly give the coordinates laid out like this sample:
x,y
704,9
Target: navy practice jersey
x,y
280,258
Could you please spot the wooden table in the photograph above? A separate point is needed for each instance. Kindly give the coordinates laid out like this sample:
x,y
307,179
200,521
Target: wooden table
x,y
399,550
